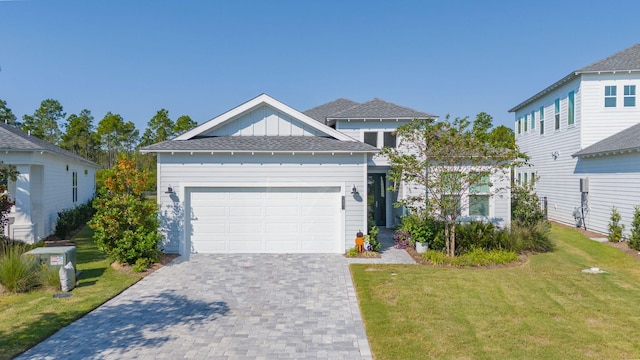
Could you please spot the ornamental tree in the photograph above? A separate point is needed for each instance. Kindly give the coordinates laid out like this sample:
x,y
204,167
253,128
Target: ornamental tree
x,y
445,161
125,224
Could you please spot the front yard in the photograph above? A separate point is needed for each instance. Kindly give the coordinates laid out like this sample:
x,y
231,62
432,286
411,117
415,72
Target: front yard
x,y
26,319
544,309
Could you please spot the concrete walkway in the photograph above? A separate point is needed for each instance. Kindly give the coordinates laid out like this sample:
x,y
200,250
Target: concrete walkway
x,y
389,254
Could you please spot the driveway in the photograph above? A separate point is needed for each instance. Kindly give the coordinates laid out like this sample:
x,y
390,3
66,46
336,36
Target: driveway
x,y
224,307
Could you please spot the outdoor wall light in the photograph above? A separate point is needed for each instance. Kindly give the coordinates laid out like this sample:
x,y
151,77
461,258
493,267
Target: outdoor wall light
x,y
169,190
354,189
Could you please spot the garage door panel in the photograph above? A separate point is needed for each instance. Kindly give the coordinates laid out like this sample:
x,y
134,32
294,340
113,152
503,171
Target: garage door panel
x,y
277,220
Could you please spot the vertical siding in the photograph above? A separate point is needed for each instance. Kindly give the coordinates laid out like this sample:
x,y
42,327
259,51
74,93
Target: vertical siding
x,y
206,170
264,121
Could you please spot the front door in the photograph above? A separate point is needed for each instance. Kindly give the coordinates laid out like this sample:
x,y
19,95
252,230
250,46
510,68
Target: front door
x,y
376,198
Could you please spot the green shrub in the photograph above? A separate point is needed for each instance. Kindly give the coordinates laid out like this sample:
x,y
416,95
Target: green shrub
x,y
352,252
72,219
615,228
126,224
17,273
141,265
525,206
373,238
474,257
634,238
533,238
436,257
475,234
422,228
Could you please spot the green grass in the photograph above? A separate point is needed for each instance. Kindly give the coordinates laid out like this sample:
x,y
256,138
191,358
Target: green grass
x,y
26,319
544,309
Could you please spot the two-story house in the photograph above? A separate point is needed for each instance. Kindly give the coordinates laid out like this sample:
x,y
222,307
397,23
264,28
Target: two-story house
x,y
583,138
266,178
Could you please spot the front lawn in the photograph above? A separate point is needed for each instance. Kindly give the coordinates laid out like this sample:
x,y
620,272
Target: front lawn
x,y
544,309
27,319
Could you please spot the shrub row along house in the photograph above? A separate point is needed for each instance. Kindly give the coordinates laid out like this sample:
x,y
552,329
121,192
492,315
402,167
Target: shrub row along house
x,y
264,177
582,134
50,179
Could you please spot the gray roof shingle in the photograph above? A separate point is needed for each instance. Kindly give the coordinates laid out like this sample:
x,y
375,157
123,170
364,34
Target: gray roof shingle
x,y
13,139
261,144
625,60
625,140
379,109
320,113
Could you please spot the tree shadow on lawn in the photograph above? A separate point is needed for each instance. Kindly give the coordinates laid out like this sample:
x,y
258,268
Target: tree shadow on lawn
x,y
119,326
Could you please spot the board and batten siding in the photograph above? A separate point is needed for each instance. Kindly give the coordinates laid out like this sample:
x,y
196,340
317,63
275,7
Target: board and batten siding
x,y
264,121
556,179
598,121
259,170
621,190
357,128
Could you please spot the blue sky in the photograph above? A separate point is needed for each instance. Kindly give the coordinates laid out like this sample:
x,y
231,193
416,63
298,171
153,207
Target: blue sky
x,y
202,58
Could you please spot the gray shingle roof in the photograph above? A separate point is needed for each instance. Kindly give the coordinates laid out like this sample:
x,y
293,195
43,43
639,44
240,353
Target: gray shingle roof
x,y
625,140
320,113
261,144
13,139
625,60
379,109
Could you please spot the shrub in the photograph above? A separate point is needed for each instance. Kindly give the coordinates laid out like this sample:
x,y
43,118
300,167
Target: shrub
x,y
352,252
436,257
530,238
72,219
474,257
17,273
615,228
373,238
634,238
126,224
525,206
141,265
475,234
401,239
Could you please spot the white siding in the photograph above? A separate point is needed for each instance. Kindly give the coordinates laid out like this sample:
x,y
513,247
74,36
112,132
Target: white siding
x,y
357,128
613,181
264,121
218,170
599,121
556,178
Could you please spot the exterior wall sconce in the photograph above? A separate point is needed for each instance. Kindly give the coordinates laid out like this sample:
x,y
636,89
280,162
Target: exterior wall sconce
x,y
354,189
169,190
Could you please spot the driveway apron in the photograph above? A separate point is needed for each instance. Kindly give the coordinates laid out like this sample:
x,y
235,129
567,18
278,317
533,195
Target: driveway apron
x,y
259,306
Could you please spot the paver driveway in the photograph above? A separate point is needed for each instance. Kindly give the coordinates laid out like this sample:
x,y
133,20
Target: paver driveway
x,y
224,307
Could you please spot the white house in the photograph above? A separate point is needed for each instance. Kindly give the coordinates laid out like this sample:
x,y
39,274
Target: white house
x,y
264,177
50,180
583,138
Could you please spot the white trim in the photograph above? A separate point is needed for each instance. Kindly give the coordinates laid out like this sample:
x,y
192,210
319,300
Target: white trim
x,y
263,99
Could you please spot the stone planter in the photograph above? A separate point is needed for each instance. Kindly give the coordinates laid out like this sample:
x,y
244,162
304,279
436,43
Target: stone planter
x,y
421,247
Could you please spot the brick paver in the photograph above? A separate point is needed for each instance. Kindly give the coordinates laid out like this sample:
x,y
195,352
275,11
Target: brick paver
x,y
267,306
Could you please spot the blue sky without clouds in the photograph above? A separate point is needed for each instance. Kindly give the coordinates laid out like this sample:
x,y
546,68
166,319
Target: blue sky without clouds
x,y
202,58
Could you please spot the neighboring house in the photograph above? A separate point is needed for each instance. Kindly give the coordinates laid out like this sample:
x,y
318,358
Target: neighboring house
x,y
264,177
582,134
50,180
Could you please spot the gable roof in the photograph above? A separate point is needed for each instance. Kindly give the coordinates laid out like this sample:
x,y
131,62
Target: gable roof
x,y
254,103
320,113
379,109
13,139
623,141
625,60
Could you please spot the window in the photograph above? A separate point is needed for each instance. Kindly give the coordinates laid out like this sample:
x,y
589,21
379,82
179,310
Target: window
x,y
533,120
526,118
519,178
525,179
390,139
519,125
480,183
74,186
533,178
610,96
629,95
541,117
371,138
478,205
557,113
571,111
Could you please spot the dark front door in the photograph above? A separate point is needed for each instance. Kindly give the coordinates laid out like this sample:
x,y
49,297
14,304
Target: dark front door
x,y
376,192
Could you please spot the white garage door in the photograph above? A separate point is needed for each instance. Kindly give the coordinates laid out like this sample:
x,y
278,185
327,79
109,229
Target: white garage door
x,y
264,220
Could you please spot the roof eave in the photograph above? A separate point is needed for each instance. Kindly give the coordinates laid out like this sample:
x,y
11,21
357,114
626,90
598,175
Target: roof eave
x,y
146,151
546,91
604,152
